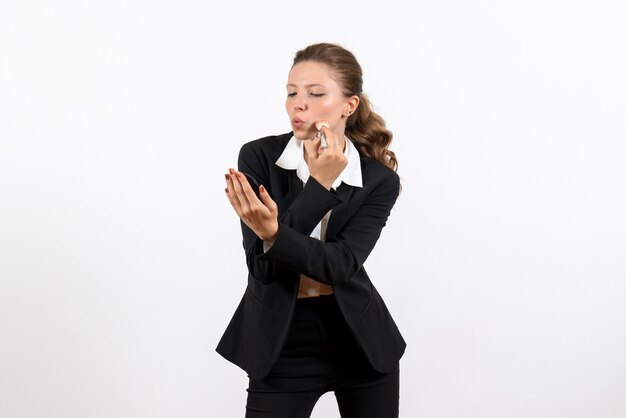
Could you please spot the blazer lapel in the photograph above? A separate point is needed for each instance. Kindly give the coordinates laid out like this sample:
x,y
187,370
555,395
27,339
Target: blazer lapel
x,y
295,186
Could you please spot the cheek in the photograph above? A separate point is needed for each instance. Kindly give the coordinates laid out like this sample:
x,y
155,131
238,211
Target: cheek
x,y
325,108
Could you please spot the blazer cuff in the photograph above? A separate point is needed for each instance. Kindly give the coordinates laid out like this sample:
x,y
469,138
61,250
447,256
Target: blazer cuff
x,y
310,206
282,249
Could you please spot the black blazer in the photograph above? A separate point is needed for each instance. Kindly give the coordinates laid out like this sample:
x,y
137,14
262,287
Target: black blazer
x,y
258,329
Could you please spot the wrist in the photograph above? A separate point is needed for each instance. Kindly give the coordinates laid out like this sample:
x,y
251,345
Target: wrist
x,y
271,237
327,184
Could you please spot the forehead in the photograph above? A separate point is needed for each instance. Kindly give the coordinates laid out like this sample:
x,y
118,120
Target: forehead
x,y
309,74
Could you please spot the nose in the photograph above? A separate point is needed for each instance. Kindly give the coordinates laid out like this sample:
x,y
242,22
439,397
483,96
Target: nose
x,y
299,102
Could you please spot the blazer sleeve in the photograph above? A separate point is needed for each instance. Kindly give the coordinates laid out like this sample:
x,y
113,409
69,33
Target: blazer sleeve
x,y
341,258
305,212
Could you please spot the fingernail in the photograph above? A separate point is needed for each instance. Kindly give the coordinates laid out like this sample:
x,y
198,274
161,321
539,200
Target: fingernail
x,y
227,177
261,188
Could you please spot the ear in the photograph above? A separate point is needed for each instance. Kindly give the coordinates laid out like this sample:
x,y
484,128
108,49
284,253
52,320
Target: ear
x,y
353,103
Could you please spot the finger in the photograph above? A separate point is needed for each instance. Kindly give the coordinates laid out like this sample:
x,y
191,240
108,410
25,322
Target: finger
x,y
230,199
331,137
267,200
232,195
334,142
320,123
247,189
238,192
323,142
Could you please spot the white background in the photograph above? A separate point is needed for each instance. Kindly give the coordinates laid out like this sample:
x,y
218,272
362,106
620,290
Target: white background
x,y
121,262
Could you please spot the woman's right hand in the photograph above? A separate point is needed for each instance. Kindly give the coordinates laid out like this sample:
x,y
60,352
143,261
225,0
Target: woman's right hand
x,y
325,164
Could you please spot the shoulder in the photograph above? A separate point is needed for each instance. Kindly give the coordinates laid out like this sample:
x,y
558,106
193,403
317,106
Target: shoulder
x,y
265,147
376,174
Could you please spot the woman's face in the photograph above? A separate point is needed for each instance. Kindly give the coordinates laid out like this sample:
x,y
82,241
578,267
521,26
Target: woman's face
x,y
312,95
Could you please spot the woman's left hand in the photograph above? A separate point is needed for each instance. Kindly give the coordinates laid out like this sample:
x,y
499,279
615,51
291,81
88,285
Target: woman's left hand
x,y
261,216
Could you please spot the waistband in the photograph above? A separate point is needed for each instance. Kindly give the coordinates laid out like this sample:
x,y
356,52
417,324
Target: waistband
x,y
317,300
317,306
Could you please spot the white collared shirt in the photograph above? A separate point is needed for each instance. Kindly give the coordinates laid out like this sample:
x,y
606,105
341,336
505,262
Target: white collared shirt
x,y
292,158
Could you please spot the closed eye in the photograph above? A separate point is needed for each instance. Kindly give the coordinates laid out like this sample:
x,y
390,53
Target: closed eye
x,y
312,94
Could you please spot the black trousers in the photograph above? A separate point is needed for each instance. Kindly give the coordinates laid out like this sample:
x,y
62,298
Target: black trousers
x,y
321,355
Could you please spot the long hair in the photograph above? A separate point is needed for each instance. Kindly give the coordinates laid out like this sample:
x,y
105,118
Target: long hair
x,y
365,127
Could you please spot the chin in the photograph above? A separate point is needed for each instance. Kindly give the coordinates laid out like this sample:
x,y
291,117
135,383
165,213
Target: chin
x,y
301,132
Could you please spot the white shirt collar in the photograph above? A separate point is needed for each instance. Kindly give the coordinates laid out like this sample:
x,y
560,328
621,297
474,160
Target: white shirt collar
x,y
292,158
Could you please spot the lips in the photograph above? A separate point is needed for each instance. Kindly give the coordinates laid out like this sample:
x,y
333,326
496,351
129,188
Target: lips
x,y
297,122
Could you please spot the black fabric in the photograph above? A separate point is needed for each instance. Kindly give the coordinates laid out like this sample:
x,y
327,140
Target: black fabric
x,y
322,355
259,327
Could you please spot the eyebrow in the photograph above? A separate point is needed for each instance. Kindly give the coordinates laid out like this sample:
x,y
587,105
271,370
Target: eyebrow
x,y
308,85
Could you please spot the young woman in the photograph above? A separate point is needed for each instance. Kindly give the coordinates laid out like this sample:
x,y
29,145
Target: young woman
x,y
310,320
